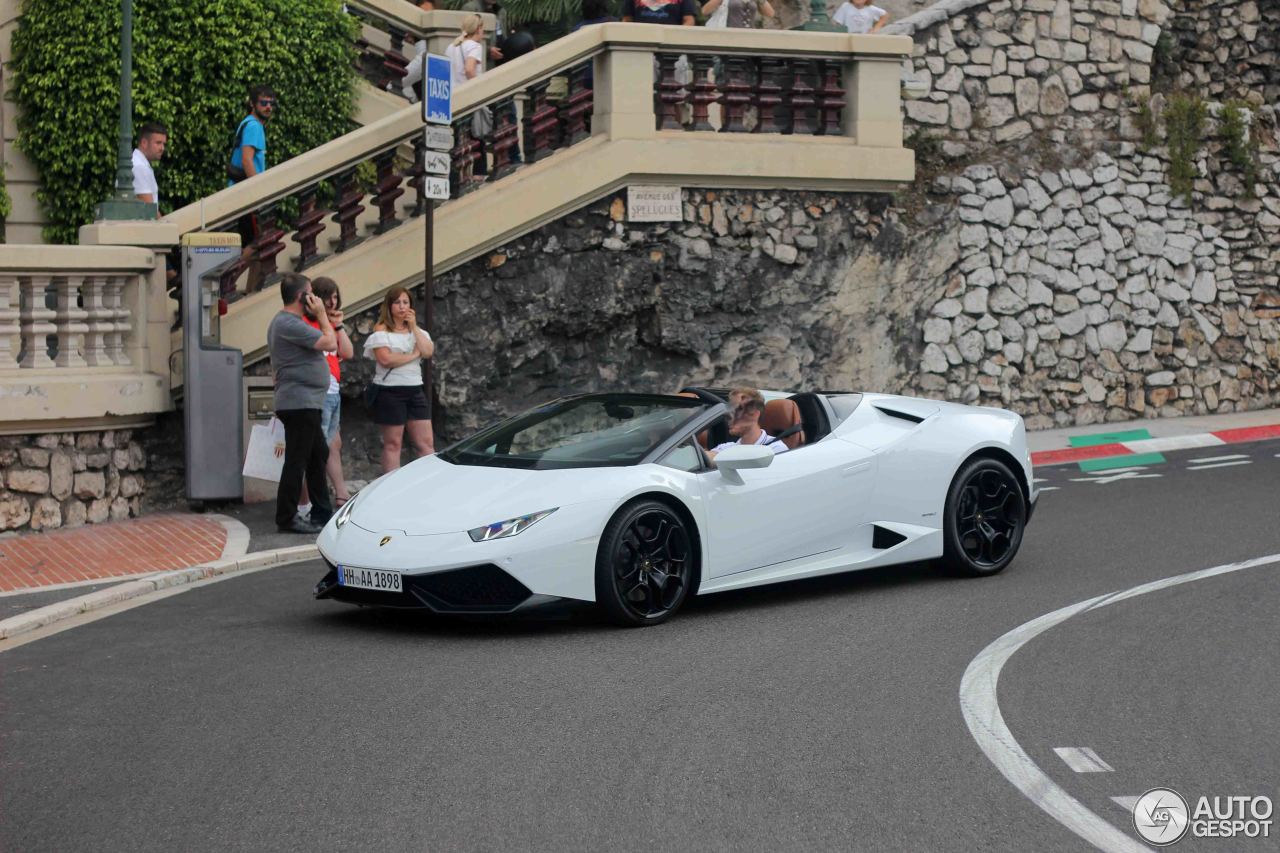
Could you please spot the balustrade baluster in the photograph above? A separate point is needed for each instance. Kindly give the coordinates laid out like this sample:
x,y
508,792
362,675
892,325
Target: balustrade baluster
x,y
506,137
72,327
10,327
670,94
310,225
36,320
394,63
348,208
117,338
704,90
830,99
737,94
418,176
388,190
227,281
465,152
270,243
101,320
803,101
541,125
769,96
576,107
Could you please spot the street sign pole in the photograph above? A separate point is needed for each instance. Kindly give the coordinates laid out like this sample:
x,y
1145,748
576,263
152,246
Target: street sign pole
x,y
437,109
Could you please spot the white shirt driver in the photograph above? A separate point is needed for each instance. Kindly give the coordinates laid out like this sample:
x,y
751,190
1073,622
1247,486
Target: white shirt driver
x,y
776,447
144,179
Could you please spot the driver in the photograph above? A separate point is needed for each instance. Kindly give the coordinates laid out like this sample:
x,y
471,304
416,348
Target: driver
x,y
744,422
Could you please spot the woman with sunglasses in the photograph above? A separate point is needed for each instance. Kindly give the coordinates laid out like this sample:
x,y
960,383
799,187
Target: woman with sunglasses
x,y
399,346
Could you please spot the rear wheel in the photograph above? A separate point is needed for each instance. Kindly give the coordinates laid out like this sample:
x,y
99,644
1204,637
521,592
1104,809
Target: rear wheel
x,y
985,516
644,566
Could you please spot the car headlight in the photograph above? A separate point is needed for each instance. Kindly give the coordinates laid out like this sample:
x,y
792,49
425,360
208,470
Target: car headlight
x,y
510,527
345,513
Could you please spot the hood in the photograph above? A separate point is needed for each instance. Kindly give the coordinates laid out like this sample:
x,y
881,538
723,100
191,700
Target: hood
x,y
431,496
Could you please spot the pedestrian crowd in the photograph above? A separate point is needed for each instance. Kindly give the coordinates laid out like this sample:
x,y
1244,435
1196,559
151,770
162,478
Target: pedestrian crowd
x,y
308,344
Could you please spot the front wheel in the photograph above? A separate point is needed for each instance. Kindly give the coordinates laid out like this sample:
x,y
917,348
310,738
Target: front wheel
x,y
986,513
644,566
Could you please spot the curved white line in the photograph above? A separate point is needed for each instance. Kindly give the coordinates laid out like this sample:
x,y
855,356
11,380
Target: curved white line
x,y
982,715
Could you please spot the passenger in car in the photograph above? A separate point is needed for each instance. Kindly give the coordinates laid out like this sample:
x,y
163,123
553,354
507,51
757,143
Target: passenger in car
x,y
744,422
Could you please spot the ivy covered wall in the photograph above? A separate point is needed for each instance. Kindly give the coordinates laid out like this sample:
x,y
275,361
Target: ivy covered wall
x,y
193,64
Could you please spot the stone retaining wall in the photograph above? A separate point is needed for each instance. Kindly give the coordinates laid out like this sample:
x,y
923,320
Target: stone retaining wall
x,y
69,479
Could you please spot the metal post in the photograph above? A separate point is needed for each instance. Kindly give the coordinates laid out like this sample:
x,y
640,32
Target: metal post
x,y
428,312
123,204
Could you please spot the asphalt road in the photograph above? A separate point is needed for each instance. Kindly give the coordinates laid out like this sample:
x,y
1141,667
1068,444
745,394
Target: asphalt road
x,y
814,715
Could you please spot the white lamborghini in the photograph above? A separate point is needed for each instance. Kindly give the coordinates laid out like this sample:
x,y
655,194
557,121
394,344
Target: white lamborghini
x,y
613,499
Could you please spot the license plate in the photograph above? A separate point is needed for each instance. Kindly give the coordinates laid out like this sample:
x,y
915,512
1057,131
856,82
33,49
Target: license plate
x,y
370,579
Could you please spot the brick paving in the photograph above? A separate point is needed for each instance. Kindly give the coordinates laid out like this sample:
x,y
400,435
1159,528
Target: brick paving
x,y
118,549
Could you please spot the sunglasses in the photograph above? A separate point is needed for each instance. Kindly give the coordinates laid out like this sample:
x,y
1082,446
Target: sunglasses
x,y
266,102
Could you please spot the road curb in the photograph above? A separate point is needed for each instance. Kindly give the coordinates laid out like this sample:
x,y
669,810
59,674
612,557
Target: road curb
x,y
53,613
1216,438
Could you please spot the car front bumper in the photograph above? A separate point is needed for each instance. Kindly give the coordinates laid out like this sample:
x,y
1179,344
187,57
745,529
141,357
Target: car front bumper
x,y
482,589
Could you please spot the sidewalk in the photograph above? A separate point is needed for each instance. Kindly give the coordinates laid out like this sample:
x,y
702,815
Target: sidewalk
x,y
1141,441
118,550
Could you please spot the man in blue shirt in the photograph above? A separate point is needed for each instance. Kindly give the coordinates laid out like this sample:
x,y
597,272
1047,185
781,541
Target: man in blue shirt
x,y
248,158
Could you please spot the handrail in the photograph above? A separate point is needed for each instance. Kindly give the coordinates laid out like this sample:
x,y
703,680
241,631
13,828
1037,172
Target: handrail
x,y
345,153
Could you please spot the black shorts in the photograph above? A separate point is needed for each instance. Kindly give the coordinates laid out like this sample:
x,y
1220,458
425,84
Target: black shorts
x,y
399,403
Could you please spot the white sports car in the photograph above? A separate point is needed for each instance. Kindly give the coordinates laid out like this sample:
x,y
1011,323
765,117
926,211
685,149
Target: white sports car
x,y
613,499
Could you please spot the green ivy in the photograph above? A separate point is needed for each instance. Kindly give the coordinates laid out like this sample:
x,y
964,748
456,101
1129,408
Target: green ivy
x,y
6,206
1240,141
193,63
1184,119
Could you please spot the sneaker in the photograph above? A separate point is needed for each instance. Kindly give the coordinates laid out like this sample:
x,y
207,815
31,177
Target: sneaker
x,y
299,525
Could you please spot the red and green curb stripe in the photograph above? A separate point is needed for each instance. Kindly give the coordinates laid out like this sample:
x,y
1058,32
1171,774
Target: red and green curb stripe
x,y
1136,447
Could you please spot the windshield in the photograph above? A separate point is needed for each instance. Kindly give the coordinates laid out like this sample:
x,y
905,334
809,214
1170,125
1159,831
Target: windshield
x,y
580,432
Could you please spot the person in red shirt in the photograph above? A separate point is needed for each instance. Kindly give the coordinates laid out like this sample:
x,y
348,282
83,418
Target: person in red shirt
x,y
331,415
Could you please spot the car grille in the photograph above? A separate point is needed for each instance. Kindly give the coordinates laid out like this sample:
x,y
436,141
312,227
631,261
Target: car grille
x,y
483,587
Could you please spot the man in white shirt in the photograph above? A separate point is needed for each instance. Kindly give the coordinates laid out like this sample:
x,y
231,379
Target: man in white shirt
x,y
748,406
151,142
860,16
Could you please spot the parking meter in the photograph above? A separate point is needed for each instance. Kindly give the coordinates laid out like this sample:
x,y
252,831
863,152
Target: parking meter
x,y
213,392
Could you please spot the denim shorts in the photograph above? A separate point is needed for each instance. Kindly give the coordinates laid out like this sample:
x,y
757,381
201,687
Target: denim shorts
x,y
331,416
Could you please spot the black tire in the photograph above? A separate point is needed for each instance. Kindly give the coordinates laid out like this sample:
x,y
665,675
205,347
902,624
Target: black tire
x,y
644,565
986,514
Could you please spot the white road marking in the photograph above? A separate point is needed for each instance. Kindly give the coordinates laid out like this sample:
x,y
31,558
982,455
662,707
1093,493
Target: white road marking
x,y
1218,458
1048,488
1219,465
1082,759
1126,803
1105,471
1111,476
982,715
1176,442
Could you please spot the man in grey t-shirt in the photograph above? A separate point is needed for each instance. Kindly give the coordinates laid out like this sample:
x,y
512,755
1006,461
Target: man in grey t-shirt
x,y
302,378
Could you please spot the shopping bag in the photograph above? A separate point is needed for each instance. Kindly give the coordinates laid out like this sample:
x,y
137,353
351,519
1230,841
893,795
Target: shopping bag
x,y
265,459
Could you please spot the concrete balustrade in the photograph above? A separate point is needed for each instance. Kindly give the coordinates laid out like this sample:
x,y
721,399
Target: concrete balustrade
x,y
84,336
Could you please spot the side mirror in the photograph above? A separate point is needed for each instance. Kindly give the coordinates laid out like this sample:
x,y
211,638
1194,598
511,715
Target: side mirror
x,y
731,460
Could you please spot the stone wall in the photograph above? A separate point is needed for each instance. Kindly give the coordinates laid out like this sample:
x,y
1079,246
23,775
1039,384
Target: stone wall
x,y
996,72
1225,49
69,479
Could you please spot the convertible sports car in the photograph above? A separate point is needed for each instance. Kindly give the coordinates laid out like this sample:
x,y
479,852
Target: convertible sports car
x,y
613,499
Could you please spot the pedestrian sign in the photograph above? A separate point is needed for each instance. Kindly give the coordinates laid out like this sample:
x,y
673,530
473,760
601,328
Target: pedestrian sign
x,y
437,106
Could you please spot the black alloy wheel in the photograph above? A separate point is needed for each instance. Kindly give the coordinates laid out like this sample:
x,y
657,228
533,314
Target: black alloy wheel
x,y
644,566
986,513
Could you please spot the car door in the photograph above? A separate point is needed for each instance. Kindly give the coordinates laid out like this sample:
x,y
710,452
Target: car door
x,y
809,501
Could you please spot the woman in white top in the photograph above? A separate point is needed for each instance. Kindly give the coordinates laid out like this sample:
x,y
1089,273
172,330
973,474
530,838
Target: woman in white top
x,y
399,346
466,53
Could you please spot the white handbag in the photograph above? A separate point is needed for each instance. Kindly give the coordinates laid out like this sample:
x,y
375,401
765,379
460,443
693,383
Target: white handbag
x,y
720,17
265,457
